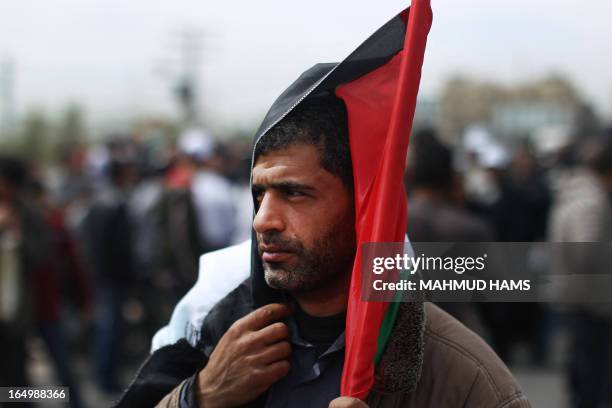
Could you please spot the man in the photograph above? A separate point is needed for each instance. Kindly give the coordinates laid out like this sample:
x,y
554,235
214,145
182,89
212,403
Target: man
x,y
109,244
436,208
278,338
307,243
290,352
435,201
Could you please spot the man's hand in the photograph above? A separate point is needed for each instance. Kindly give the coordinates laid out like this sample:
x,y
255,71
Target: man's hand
x,y
347,402
251,356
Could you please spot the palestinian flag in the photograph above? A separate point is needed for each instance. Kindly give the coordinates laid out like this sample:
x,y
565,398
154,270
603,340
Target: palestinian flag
x,y
379,83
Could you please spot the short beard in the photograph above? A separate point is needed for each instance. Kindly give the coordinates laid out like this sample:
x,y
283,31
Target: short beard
x,y
329,260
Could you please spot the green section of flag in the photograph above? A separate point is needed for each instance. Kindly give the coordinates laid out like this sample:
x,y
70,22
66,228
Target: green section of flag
x,y
388,322
385,330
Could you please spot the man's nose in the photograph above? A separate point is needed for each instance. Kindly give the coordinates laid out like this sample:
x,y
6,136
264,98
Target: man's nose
x,y
269,216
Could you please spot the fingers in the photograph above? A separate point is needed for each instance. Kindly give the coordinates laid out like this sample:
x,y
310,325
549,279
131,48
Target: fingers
x,y
277,370
272,333
263,316
251,356
272,354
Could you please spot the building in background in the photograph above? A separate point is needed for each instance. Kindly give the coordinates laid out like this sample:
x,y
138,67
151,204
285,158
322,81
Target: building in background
x,y
524,111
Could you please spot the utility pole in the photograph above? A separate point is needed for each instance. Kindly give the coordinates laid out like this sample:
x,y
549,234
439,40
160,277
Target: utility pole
x,y
183,68
7,80
189,87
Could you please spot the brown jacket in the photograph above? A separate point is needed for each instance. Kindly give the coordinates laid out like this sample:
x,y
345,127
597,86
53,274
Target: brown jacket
x,y
432,360
458,369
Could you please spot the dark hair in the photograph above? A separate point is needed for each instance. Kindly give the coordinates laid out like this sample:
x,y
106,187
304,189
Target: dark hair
x,y
320,121
116,169
430,161
13,170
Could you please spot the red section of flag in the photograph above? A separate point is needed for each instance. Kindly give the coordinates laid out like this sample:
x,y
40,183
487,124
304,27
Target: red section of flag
x,y
380,108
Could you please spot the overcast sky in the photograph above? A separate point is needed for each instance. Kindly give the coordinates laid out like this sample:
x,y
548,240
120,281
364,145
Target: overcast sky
x,y
104,54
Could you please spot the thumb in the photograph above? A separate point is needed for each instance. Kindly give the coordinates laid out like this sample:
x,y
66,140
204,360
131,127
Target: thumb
x,y
347,402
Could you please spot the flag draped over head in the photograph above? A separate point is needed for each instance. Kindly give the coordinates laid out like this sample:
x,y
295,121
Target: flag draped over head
x,y
378,83
380,107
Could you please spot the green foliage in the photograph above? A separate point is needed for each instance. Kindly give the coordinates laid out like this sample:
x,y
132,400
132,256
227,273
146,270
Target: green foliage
x,y
34,135
38,139
70,132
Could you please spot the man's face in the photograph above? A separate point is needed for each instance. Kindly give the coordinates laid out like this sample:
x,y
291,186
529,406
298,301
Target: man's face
x,y
304,222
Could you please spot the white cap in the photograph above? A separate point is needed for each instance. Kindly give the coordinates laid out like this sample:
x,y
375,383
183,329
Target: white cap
x,y
196,142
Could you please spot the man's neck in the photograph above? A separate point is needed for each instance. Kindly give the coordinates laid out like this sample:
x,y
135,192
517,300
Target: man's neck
x,y
327,301
319,331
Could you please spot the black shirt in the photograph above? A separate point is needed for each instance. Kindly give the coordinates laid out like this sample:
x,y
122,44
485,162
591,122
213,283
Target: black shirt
x,y
317,358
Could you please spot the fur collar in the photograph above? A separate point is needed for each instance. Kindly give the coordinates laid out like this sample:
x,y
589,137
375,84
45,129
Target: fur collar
x,y
399,369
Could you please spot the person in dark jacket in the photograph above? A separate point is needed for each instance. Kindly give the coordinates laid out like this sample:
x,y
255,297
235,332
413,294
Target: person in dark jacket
x,y
60,274
24,246
108,230
436,209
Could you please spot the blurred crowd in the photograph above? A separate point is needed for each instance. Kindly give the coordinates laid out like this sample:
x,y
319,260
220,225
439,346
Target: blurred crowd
x,y
487,191
95,251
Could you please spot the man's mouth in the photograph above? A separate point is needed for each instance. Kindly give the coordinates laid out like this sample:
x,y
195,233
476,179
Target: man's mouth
x,y
279,256
273,253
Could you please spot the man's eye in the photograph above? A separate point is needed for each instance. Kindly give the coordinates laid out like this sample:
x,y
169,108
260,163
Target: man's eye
x,y
294,193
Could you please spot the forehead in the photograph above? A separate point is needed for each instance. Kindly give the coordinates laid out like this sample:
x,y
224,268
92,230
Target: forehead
x,y
300,161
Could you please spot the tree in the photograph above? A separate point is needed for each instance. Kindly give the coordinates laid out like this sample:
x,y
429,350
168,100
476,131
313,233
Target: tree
x,y
71,131
33,141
